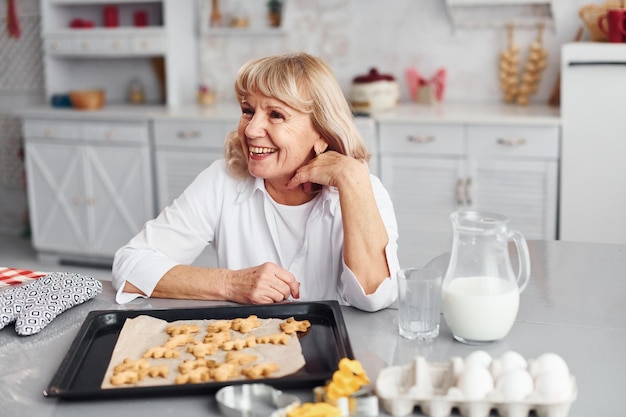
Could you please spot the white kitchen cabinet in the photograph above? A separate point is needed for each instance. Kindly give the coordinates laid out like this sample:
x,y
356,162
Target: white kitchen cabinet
x,y
432,170
183,149
161,56
89,185
593,174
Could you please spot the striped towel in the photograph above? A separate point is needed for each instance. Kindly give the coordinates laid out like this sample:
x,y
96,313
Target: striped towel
x,y
15,276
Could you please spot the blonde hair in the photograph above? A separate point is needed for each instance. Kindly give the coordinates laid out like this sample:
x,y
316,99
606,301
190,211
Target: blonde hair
x,y
304,83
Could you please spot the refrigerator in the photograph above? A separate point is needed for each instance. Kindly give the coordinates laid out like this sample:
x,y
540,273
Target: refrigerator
x,y
592,184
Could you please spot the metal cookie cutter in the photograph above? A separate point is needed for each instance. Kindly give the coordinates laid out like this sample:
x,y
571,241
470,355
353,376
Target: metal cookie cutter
x,y
363,403
251,400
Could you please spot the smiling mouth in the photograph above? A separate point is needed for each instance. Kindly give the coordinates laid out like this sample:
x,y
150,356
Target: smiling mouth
x,y
258,151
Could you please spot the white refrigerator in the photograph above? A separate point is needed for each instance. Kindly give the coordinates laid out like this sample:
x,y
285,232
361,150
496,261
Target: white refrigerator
x,y
592,201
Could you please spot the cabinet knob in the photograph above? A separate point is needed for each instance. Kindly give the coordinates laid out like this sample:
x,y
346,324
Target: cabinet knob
x,y
85,45
110,134
79,200
188,134
421,138
48,132
511,141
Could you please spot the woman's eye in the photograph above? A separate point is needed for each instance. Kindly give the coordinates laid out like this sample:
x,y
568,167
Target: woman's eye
x,y
247,113
276,115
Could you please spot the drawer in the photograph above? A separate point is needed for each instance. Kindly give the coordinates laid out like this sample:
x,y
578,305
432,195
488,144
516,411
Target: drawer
x,y
51,129
431,139
117,132
191,134
514,141
59,45
148,44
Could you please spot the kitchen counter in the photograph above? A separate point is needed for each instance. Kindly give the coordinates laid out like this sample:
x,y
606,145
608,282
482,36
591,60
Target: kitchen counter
x,y
445,113
574,305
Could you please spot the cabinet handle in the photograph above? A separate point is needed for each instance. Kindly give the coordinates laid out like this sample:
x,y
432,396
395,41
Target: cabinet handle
x,y
188,134
468,191
84,45
460,192
110,134
92,201
420,138
511,141
48,132
79,200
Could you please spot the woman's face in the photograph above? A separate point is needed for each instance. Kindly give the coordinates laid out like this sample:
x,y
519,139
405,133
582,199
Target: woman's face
x,y
277,138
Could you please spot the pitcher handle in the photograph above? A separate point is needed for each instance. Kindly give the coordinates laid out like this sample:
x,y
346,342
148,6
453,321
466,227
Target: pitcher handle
x,y
523,273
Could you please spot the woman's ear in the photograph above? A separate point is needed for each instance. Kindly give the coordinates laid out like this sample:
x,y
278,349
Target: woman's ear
x,y
320,146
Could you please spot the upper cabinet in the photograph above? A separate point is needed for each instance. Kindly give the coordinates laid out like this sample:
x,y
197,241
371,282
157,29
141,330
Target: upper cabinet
x,y
112,44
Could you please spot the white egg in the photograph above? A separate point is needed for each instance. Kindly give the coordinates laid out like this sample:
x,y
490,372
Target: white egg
x,y
478,357
548,362
515,385
554,386
475,382
512,361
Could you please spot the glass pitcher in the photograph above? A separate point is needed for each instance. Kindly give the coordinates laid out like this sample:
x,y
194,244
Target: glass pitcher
x,y
480,292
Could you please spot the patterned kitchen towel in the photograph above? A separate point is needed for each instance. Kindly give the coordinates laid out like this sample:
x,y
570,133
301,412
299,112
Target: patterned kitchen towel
x,y
15,276
35,305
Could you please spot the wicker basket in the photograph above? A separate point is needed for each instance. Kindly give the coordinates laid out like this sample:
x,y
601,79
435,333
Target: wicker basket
x,y
87,99
590,14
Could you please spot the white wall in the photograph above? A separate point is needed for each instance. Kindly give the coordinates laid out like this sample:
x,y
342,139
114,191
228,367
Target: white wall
x,y
393,35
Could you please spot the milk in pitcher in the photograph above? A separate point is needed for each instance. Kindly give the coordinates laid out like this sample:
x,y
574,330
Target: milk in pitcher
x,y
480,309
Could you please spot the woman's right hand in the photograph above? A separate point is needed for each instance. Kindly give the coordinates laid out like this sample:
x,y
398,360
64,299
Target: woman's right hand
x,y
264,284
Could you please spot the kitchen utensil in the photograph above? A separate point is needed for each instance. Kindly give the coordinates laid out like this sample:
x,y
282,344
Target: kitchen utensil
x,y
80,374
590,14
91,99
249,400
612,25
480,291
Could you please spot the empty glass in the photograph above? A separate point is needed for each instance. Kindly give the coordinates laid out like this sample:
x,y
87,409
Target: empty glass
x,y
419,303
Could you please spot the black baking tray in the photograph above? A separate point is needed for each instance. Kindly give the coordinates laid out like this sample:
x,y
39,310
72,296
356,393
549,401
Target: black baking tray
x,y
82,370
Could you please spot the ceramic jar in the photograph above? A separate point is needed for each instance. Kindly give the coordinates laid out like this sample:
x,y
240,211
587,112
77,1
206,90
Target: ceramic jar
x,y
374,91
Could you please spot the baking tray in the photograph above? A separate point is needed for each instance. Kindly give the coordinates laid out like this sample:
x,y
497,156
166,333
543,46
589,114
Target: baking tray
x,y
82,370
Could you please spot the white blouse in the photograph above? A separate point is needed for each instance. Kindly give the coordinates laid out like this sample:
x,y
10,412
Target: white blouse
x,y
237,218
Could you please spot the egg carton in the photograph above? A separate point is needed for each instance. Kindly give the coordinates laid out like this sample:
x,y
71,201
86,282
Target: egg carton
x,y
433,388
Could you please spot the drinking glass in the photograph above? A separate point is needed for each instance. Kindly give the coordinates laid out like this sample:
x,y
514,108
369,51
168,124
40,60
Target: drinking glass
x,y
419,303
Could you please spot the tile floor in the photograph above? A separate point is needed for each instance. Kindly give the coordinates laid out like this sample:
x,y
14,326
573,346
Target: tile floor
x,y
17,252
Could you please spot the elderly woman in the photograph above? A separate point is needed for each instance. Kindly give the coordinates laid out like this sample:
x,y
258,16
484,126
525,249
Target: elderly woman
x,y
292,211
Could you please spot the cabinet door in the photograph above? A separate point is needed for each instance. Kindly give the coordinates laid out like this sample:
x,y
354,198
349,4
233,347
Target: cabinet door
x,y
57,201
177,169
118,193
424,193
524,191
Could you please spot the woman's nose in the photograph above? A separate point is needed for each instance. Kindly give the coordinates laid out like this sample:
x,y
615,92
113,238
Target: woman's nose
x,y
255,127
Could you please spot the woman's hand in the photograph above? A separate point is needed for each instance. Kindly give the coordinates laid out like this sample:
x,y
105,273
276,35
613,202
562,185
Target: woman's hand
x,y
329,168
263,284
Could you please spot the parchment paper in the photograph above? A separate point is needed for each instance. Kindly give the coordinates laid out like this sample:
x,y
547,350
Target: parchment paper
x,y
144,332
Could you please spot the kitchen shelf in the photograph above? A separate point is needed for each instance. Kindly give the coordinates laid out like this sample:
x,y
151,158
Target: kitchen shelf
x,y
243,32
497,14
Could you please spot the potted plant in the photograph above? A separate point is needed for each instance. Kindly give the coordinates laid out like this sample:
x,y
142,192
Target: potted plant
x,y
275,11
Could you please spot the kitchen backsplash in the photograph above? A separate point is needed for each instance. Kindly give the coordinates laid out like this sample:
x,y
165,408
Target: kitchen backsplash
x,y
354,35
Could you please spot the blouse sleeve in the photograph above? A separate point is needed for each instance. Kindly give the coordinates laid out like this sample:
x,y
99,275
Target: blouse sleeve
x,y
177,236
387,292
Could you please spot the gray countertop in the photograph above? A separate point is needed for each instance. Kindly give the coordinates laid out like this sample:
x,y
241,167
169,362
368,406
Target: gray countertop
x,y
441,113
575,306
